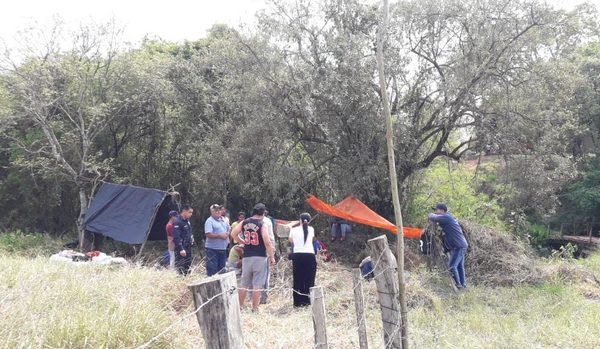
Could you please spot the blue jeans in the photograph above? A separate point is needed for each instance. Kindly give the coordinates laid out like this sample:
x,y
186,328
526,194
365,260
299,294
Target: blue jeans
x,y
340,229
345,228
215,261
456,265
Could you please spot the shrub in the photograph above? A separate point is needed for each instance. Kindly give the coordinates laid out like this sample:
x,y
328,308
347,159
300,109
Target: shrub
x,y
29,244
453,185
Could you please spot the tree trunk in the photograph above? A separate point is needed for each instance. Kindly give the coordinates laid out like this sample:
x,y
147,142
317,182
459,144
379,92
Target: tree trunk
x,y
83,203
389,135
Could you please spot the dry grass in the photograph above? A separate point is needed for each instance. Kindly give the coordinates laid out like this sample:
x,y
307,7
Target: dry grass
x,y
496,258
55,305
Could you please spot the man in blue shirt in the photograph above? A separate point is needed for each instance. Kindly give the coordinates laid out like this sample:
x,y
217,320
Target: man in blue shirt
x,y
217,239
183,240
454,241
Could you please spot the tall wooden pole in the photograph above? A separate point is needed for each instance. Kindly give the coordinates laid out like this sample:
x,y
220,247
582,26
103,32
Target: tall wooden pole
x,y
389,135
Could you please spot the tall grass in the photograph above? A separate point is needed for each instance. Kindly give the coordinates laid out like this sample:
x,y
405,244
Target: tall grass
x,y
59,305
30,244
54,305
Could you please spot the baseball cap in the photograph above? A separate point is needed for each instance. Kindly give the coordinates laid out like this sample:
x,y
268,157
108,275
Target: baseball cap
x,y
259,208
440,206
215,207
173,213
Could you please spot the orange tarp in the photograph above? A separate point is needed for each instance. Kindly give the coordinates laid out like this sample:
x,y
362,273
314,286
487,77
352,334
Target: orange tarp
x,y
355,211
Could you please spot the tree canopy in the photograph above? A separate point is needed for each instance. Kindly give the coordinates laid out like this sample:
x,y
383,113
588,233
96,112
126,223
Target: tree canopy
x,y
293,106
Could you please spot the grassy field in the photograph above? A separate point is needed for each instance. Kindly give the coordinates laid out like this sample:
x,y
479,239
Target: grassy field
x,y
55,305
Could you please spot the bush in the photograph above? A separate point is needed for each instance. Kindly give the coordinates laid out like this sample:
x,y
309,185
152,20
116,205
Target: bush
x,y
29,244
453,185
537,234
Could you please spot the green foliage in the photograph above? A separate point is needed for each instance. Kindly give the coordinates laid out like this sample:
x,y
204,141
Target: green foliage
x,y
584,194
290,107
552,289
42,203
454,185
538,233
565,252
29,244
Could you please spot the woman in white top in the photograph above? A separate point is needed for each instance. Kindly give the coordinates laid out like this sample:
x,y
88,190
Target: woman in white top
x,y
304,262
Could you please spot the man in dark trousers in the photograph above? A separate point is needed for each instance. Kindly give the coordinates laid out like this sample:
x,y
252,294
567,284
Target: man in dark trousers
x,y
183,239
455,242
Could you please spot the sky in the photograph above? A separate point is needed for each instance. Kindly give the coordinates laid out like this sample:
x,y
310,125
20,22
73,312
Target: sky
x,y
172,20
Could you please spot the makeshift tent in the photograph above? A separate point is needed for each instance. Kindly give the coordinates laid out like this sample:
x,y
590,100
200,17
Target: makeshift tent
x,y
128,213
354,210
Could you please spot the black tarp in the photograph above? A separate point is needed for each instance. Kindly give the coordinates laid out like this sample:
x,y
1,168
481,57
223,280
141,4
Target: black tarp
x,y
128,213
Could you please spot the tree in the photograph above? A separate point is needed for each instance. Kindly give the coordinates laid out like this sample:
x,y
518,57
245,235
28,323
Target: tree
x,y
448,63
62,100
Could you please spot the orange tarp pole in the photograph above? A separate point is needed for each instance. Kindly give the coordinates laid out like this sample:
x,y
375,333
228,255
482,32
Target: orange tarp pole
x,y
355,211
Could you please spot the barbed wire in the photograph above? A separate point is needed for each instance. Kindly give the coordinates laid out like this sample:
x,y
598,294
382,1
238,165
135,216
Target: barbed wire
x,y
281,289
153,339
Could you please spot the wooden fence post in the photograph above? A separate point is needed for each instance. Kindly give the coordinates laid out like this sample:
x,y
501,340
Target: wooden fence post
x,y
359,303
317,304
219,317
386,279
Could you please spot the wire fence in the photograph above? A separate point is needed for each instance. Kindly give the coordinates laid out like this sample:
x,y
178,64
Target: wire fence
x,y
282,273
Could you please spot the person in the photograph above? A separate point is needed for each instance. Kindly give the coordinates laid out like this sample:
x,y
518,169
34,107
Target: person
x,y
304,263
225,215
268,222
183,240
170,243
257,253
217,240
240,218
92,241
345,229
234,261
321,250
454,240
339,228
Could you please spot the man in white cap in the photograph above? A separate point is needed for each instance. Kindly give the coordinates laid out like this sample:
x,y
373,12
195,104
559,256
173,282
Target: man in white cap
x,y
217,240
